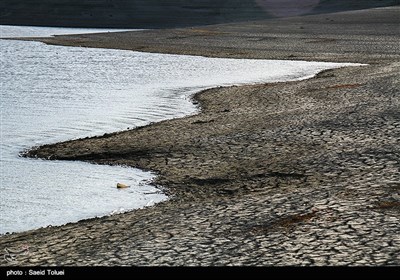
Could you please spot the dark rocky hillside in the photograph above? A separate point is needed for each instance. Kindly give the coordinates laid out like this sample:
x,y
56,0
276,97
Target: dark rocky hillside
x,y
161,13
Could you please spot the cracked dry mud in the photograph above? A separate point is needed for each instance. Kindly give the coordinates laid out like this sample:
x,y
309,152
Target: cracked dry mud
x,y
298,173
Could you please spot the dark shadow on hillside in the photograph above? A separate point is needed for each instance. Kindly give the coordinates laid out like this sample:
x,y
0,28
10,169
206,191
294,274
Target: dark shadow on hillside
x,y
163,13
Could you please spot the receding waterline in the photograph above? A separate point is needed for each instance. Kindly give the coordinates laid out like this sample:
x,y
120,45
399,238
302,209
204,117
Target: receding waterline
x,y
54,93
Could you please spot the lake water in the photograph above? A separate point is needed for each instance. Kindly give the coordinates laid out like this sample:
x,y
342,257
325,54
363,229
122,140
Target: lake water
x,y
55,93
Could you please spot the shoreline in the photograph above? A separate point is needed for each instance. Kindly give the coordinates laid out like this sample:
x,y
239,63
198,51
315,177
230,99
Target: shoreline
x,y
159,14
270,39
282,180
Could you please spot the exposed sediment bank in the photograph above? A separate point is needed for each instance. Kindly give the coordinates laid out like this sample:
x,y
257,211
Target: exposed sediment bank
x,y
297,173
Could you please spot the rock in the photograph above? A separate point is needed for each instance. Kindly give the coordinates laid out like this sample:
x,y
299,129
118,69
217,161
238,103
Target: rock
x,y
122,186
